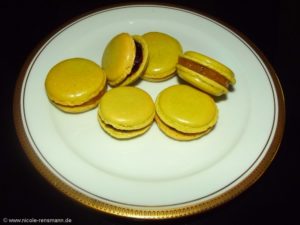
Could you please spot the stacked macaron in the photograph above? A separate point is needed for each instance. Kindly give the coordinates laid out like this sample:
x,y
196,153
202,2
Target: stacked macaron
x,y
124,59
126,112
75,85
164,51
183,112
205,73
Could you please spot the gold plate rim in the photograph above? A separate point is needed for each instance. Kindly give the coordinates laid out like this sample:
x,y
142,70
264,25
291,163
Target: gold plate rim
x,y
156,213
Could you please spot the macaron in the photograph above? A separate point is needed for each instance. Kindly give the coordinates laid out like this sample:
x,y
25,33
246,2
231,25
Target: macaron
x,y
205,73
184,113
75,85
126,112
124,59
163,56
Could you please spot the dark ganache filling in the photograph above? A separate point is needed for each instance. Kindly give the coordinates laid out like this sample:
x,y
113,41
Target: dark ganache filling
x,y
138,57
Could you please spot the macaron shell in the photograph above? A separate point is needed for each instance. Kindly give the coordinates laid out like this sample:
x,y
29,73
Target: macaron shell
x,y
163,56
186,109
177,135
134,76
122,134
118,58
127,108
74,81
211,63
201,82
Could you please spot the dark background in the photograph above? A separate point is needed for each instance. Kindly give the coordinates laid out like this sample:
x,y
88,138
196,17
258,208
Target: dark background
x,y
271,25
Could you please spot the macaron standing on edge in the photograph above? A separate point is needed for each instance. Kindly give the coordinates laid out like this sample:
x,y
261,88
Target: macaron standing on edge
x,y
163,56
124,59
126,112
75,85
185,113
205,73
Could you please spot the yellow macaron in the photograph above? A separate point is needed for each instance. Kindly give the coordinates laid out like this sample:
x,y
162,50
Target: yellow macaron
x,y
205,73
163,56
124,59
185,113
126,112
75,85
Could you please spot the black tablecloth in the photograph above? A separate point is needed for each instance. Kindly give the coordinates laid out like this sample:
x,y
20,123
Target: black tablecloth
x,y
271,25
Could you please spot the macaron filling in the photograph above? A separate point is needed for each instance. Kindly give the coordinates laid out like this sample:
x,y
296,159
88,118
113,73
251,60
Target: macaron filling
x,y
139,62
138,58
204,70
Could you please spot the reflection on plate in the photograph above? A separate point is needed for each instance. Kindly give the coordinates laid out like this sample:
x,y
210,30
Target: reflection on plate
x,y
152,176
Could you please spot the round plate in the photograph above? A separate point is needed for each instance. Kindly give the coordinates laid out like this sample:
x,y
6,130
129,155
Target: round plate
x,y
152,176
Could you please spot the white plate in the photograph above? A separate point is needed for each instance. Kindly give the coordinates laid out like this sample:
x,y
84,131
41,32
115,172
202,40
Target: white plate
x,y
152,176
